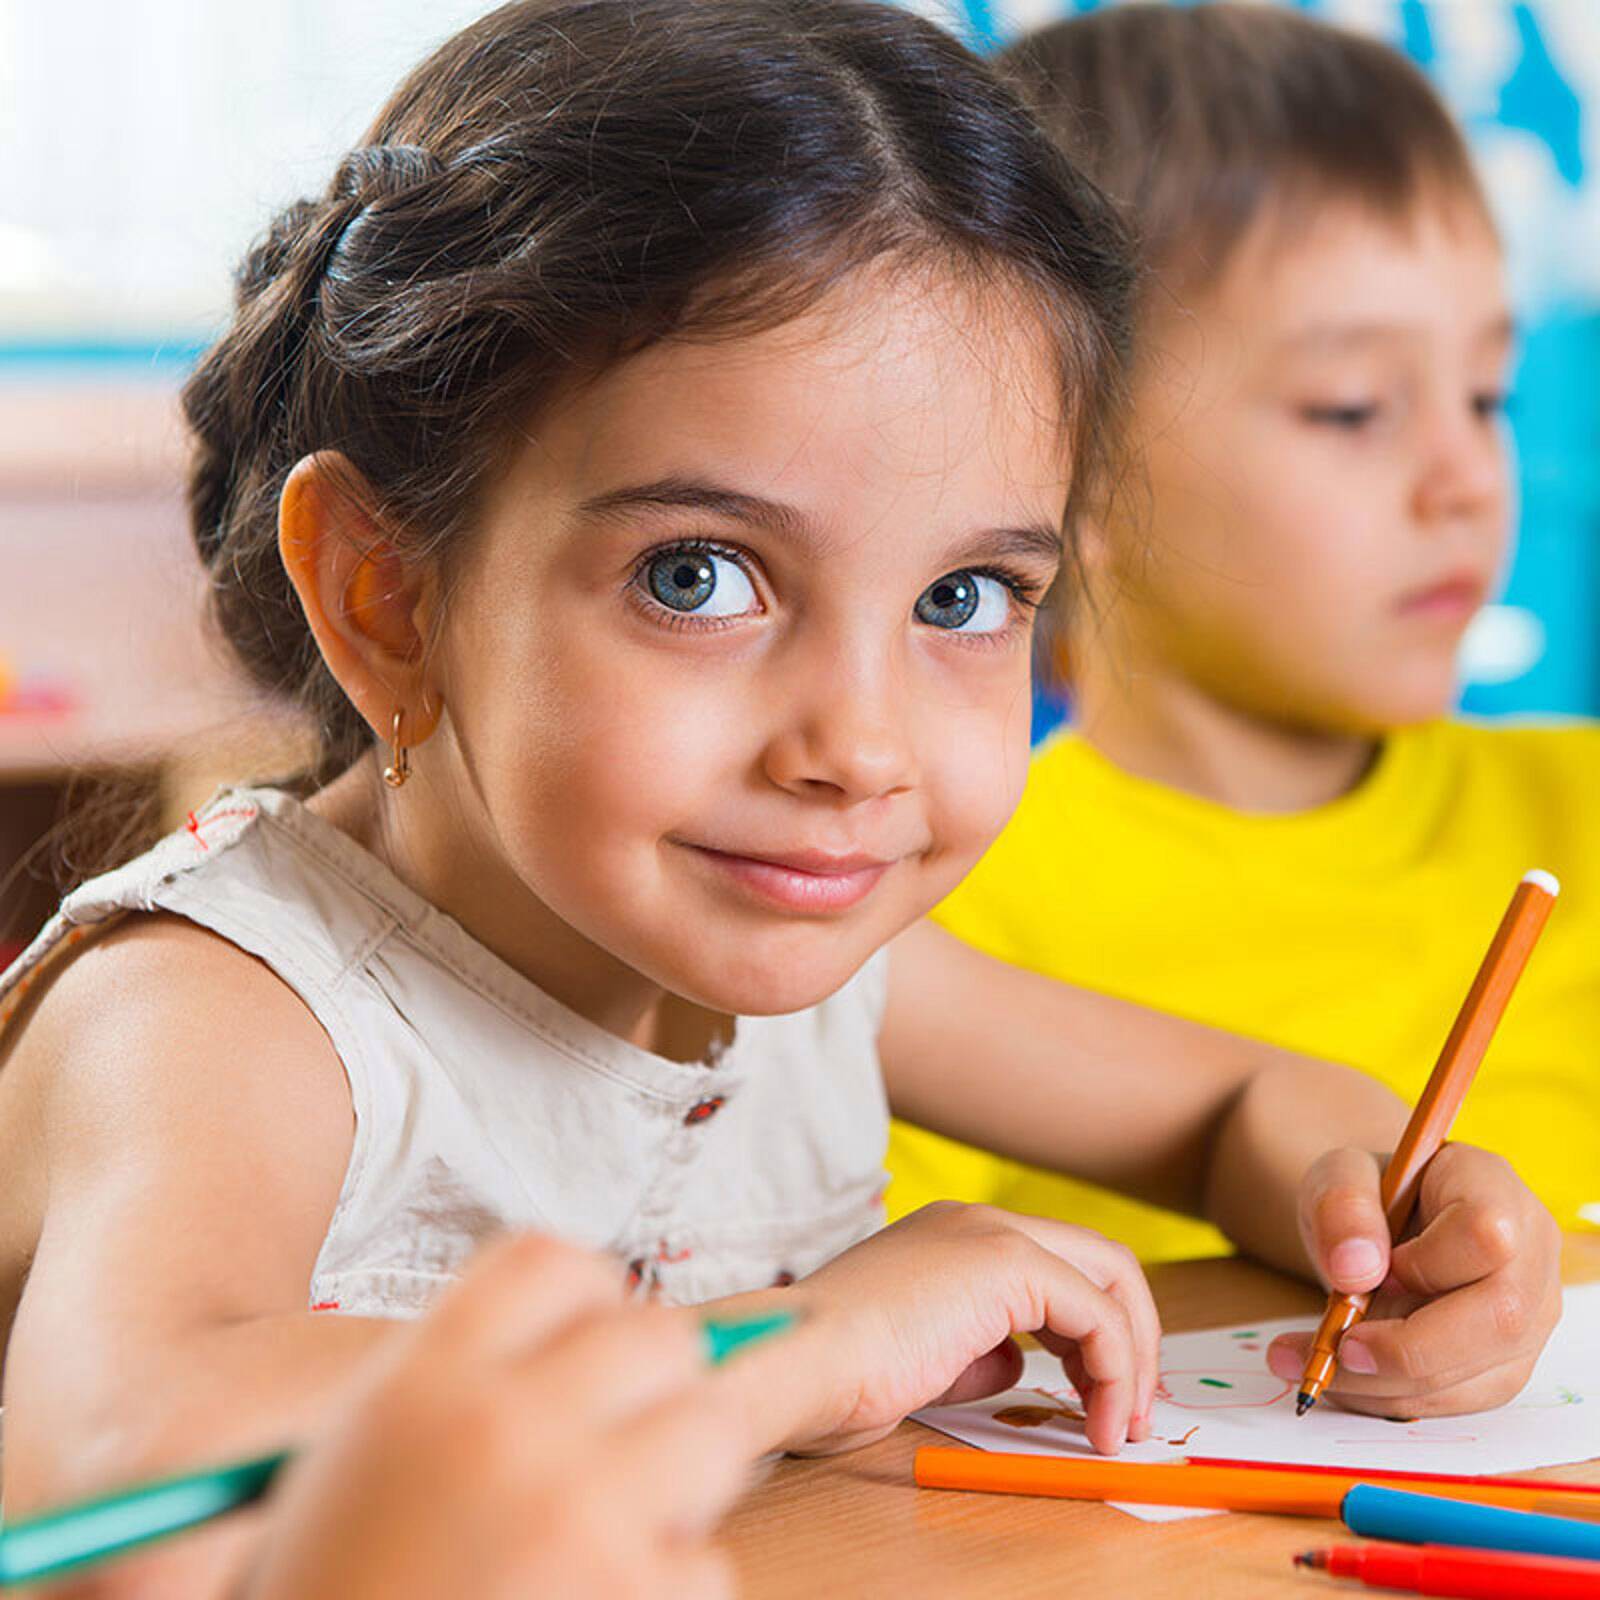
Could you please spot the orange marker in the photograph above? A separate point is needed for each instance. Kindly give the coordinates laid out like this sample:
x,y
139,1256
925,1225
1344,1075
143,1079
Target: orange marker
x,y
1480,1014
1176,1483
1559,1486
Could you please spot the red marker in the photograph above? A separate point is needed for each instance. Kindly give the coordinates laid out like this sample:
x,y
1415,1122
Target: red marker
x,y
1464,1574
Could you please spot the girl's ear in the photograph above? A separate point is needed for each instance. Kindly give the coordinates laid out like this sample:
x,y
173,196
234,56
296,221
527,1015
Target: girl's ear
x,y
370,609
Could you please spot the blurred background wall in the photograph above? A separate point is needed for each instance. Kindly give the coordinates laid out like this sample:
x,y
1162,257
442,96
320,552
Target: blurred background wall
x,y
147,141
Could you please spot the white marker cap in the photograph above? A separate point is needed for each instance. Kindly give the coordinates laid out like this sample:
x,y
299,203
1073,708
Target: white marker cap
x,y
1543,880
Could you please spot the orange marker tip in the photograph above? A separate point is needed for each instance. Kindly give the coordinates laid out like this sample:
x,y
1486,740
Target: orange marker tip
x,y
1303,1402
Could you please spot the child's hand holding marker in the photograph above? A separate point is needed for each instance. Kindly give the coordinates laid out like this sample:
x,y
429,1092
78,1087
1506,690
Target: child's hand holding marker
x,y
536,1435
1462,1308
1474,1273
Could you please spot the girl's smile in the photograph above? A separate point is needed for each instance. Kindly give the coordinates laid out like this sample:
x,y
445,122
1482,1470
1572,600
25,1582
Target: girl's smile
x,y
800,882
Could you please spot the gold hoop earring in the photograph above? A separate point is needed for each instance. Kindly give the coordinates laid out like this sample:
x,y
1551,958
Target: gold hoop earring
x,y
399,768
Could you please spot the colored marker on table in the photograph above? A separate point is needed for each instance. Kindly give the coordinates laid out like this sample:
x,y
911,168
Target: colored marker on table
x,y
94,1531
1458,1061
1378,1513
1459,1574
1543,1488
1177,1483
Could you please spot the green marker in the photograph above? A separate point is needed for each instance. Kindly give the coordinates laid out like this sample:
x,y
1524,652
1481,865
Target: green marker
x,y
93,1531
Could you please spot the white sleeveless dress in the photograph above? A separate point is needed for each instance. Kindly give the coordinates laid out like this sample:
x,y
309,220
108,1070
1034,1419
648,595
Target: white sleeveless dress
x,y
482,1104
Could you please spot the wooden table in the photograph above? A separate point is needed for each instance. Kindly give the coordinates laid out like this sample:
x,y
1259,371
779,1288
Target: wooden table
x,y
855,1526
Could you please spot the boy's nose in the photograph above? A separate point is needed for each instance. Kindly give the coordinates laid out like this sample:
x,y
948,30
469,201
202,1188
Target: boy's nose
x,y
1464,472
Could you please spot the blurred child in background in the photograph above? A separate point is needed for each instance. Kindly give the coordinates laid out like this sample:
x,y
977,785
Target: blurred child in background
x,y
1263,815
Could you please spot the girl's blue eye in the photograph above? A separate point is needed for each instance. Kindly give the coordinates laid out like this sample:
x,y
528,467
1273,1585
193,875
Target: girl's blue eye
x,y
701,582
965,602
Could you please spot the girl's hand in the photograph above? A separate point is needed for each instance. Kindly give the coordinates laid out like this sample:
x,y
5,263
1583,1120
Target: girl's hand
x,y
534,1436
924,1311
1464,1304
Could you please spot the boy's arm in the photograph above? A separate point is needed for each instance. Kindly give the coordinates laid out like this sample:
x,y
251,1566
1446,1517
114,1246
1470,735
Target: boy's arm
x,y
1283,1152
1168,1111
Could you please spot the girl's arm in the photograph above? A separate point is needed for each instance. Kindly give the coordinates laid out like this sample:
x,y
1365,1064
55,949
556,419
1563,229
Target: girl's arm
x,y
194,1124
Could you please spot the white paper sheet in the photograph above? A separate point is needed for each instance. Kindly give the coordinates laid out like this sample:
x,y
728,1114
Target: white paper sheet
x,y
1217,1398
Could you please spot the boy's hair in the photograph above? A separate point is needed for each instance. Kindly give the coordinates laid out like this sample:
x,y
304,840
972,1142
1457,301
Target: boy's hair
x,y
1196,120
562,184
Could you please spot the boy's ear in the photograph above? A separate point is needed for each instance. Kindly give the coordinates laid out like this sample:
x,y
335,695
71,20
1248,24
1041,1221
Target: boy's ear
x,y
1093,547
369,608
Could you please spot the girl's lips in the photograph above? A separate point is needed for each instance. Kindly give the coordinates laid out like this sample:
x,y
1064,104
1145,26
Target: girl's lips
x,y
804,884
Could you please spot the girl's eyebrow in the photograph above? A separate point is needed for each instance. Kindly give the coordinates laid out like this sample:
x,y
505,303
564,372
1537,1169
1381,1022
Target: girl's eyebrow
x,y
689,494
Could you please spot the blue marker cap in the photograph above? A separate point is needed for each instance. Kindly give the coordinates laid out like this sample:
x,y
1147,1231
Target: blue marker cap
x,y
1378,1513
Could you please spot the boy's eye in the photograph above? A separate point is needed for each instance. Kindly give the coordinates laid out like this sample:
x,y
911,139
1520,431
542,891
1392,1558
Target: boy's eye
x,y
1492,403
965,602
1351,417
700,581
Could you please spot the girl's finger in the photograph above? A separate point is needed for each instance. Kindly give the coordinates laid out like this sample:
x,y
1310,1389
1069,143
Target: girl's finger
x,y
1071,1364
515,1294
1114,1268
1095,1321
1342,1222
993,1372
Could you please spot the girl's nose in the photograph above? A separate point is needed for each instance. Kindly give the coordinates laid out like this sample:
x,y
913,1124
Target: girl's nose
x,y
850,741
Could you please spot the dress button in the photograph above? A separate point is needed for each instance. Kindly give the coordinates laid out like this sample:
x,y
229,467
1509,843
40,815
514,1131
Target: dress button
x,y
704,1110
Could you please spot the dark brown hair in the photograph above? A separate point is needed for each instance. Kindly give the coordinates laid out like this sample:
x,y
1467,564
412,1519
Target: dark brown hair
x,y
560,184
1196,120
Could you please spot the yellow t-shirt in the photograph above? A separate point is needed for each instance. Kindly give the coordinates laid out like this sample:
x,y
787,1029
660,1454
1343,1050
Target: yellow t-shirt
x,y
1349,932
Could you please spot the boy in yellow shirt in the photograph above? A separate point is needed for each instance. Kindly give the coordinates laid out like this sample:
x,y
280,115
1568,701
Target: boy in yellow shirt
x,y
1262,818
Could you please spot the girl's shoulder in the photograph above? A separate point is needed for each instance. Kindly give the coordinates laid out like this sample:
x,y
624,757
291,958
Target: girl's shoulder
x,y
157,1063
107,1011
131,961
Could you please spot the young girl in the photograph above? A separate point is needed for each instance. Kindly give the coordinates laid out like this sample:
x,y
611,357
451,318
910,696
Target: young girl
x,y
646,459
1275,830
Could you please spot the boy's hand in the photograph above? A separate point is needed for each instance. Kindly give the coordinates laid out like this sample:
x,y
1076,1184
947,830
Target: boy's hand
x,y
1464,1304
924,1311
535,1435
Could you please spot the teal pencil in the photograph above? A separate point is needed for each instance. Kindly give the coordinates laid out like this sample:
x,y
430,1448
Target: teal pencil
x,y
94,1531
